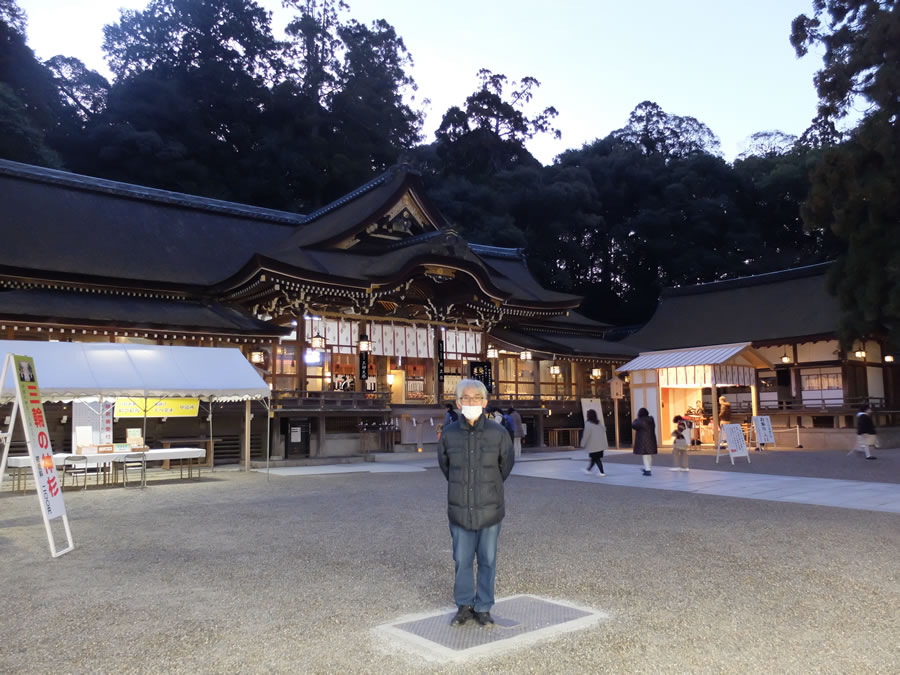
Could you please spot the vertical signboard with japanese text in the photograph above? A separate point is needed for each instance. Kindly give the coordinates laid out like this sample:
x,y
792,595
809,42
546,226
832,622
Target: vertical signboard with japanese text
x,y
483,372
762,426
38,438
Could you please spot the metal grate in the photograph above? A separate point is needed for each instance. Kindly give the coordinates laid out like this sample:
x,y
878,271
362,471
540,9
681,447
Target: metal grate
x,y
519,620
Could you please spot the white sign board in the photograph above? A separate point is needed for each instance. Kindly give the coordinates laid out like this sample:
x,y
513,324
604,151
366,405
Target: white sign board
x,y
38,438
30,410
763,427
296,434
734,436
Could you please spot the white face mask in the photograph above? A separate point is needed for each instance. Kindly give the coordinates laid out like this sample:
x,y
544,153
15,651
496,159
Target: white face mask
x,y
472,412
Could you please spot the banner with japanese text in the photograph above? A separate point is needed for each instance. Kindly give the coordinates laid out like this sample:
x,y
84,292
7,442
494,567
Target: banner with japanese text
x,y
157,407
37,438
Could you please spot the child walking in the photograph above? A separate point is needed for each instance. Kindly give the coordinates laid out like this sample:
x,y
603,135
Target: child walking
x,y
679,445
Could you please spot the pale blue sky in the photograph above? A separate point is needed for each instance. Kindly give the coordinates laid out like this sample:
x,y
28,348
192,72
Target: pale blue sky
x,y
728,62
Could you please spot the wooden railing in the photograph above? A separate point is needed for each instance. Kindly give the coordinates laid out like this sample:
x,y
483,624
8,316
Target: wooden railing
x,y
331,400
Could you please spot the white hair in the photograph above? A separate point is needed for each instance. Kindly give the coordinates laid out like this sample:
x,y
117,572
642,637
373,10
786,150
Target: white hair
x,y
471,384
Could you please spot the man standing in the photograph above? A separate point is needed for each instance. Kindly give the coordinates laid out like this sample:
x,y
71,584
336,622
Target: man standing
x,y
518,431
865,432
475,456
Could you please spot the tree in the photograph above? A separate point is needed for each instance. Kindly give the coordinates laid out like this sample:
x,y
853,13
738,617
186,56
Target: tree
x,y
13,16
179,35
20,140
769,144
489,134
657,132
855,189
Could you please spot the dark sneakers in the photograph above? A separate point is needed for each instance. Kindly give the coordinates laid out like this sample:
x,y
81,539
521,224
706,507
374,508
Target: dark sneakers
x,y
646,473
871,457
484,618
463,614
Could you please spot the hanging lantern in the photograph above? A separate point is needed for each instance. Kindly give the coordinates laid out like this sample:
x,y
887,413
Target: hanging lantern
x,y
596,372
888,358
317,342
492,353
554,370
860,353
525,356
365,345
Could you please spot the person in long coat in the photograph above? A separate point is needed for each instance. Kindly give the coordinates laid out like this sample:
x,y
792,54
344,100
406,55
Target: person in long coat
x,y
645,438
594,441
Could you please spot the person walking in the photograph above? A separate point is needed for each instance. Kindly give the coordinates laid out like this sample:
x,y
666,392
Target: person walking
x,y
865,432
476,458
450,416
645,438
518,431
680,444
593,439
724,418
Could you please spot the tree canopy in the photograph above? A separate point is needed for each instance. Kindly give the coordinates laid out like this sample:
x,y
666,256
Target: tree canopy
x,y
205,100
855,188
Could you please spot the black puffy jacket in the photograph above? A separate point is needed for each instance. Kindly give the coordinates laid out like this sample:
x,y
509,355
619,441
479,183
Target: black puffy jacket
x,y
475,459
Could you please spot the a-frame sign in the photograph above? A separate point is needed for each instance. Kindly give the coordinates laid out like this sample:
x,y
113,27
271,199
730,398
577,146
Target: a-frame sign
x,y
27,406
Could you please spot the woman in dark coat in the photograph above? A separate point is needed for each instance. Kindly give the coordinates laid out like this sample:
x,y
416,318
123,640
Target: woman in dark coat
x,y
645,438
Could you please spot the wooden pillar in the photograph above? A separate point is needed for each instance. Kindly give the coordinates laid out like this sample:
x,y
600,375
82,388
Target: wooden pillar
x,y
754,400
438,384
360,383
299,348
539,430
246,441
321,437
715,411
536,364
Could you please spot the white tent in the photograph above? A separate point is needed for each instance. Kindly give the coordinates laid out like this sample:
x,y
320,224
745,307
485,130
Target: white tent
x,y
70,370
94,370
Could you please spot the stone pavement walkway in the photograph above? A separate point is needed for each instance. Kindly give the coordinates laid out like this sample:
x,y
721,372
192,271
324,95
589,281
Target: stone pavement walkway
x,y
850,494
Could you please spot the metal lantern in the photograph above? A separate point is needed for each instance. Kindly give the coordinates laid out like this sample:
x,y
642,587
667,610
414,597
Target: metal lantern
x,y
554,370
365,344
492,353
317,342
525,356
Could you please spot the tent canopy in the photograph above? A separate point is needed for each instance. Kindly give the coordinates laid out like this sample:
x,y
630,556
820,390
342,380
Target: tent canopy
x,y
72,370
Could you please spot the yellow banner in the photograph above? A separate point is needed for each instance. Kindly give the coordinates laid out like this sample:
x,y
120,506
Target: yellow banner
x,y
157,407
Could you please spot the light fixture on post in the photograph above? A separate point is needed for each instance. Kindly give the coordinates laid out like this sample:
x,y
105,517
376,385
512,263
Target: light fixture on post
x,y
554,371
785,358
390,379
860,353
257,357
596,372
888,358
525,356
317,342
365,345
492,353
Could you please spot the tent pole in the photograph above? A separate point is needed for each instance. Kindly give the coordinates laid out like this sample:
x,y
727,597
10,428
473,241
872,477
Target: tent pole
x,y
247,435
211,445
265,403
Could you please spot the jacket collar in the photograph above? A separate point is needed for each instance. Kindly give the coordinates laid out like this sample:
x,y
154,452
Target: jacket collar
x,y
477,425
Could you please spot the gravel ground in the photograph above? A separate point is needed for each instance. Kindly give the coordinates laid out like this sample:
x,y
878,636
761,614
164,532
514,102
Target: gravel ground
x,y
240,574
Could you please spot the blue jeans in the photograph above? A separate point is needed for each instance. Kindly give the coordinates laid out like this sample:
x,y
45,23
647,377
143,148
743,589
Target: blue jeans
x,y
467,544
